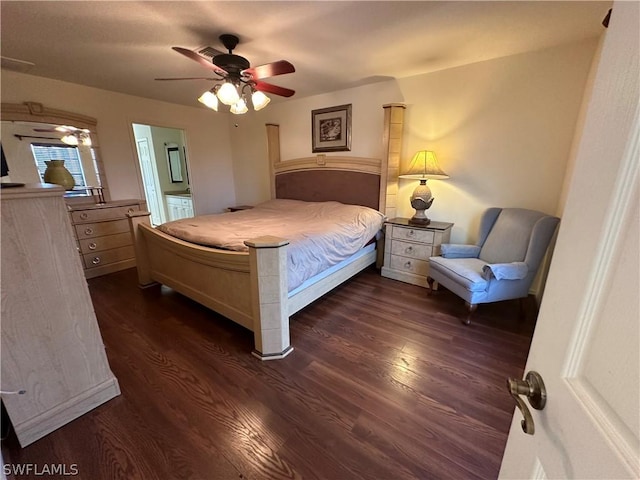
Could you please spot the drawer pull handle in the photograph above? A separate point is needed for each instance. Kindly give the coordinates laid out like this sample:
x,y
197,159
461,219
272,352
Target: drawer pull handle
x,y
96,260
84,215
411,233
130,210
407,265
92,246
408,249
88,231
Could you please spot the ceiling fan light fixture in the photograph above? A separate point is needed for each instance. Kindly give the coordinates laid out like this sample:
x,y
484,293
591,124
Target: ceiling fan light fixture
x,y
70,139
259,100
228,93
209,99
239,107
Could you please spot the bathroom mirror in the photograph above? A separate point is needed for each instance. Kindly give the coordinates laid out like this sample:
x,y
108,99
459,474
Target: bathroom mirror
x,y
175,165
30,135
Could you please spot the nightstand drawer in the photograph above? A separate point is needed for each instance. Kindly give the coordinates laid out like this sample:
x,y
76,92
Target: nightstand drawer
x,y
106,257
102,214
90,230
107,242
409,265
413,234
413,250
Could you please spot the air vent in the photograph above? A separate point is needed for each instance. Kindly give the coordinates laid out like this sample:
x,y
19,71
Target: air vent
x,y
208,52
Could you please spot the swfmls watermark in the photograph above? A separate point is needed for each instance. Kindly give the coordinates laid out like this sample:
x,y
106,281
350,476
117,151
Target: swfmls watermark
x,y
47,469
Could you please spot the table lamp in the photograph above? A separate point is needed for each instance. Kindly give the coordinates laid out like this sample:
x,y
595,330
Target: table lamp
x,y
423,166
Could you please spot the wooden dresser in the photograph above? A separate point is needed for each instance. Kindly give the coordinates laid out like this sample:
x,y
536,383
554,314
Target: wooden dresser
x,y
407,249
51,345
103,237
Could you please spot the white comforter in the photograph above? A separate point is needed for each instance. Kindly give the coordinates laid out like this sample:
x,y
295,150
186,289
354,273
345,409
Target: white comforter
x,y
320,234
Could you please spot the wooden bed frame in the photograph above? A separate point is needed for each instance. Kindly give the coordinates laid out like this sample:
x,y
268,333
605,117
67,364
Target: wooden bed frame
x,y
251,288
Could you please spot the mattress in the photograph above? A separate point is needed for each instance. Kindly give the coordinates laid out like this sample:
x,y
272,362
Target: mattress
x,y
320,234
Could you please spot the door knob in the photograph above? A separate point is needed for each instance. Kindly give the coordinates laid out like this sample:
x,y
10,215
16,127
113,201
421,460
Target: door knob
x,y
533,388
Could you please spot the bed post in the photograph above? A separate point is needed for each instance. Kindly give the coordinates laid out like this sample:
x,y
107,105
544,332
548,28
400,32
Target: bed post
x,y
269,287
273,148
142,260
392,144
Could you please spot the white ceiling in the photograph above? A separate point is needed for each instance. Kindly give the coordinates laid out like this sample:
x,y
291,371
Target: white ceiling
x,y
122,45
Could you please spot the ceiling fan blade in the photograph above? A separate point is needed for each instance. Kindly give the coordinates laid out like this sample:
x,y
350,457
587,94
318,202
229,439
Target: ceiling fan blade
x,y
188,78
275,89
194,56
269,69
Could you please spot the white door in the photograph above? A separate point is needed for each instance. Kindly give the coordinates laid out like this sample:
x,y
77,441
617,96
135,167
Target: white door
x,y
587,340
149,180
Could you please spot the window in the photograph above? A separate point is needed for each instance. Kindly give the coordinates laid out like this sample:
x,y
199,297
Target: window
x,y
44,152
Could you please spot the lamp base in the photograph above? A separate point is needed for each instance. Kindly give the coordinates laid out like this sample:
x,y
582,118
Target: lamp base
x,y
415,220
421,200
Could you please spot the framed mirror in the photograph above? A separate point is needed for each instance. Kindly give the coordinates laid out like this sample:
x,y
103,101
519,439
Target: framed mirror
x,y
175,165
31,132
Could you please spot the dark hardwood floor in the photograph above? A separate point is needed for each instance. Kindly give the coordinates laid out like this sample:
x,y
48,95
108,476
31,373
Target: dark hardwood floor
x,y
384,383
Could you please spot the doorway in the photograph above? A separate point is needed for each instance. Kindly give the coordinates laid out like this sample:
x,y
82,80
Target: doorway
x,y
163,169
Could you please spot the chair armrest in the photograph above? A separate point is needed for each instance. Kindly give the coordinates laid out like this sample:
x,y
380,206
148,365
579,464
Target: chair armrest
x,y
456,250
505,271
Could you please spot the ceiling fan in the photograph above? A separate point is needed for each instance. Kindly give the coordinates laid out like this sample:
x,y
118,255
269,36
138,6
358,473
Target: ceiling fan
x,y
72,135
237,76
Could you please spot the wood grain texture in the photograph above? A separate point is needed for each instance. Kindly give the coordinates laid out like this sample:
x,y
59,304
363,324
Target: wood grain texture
x,y
384,383
51,345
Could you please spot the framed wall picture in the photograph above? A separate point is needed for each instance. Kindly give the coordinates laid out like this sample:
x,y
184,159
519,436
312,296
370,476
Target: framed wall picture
x,y
331,129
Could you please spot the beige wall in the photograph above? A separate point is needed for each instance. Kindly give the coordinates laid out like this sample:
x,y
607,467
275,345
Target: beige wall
x,y
502,129
161,137
207,135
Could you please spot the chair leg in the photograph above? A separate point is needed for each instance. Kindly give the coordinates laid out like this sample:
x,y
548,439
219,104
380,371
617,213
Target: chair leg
x,y
472,308
522,311
430,285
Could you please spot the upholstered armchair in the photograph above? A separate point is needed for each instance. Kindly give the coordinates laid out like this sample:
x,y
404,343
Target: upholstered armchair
x,y
502,264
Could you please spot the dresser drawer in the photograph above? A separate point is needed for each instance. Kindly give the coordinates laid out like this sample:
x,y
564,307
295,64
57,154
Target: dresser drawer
x,y
410,265
90,230
106,242
413,234
92,260
413,250
103,214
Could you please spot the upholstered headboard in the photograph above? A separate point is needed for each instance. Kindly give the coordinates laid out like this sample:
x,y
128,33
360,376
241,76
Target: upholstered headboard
x,y
345,179
342,180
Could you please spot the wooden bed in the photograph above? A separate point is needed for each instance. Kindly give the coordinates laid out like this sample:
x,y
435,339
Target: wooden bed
x,y
251,288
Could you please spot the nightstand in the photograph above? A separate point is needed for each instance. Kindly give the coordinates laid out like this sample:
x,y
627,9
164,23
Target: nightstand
x,y
407,249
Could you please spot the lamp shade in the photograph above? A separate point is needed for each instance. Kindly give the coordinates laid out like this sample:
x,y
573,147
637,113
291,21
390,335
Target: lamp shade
x,y
424,165
259,100
228,93
209,99
70,139
239,107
